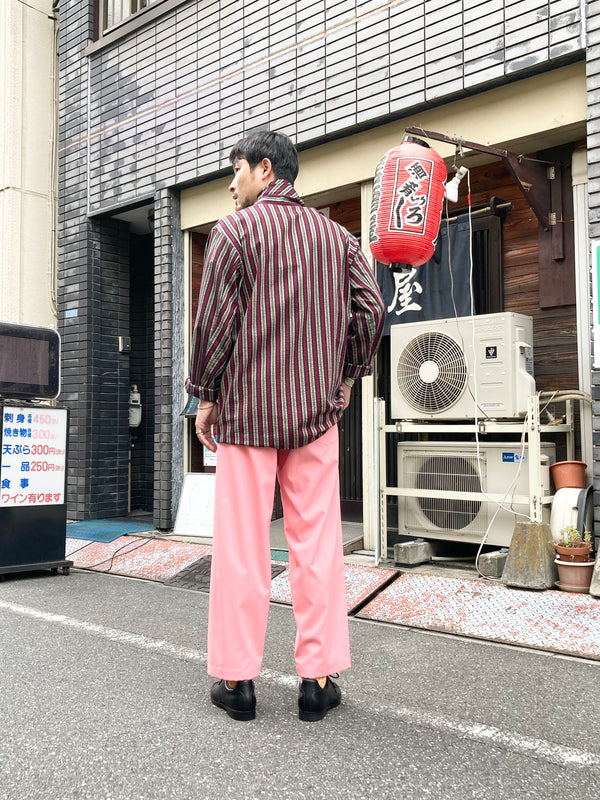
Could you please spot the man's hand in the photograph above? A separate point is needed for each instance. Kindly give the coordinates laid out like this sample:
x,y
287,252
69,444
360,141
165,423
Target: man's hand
x,y
205,419
347,392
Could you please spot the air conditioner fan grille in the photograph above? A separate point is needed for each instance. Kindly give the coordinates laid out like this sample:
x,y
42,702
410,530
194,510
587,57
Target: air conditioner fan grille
x,y
447,473
432,372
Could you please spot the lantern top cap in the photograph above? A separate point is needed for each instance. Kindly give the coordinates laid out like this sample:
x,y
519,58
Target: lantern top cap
x,y
415,140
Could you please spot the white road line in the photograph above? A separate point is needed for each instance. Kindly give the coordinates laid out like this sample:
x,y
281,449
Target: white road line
x,y
135,639
523,745
537,748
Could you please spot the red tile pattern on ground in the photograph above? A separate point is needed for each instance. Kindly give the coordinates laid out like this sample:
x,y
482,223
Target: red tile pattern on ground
x,y
140,557
550,620
361,582
73,545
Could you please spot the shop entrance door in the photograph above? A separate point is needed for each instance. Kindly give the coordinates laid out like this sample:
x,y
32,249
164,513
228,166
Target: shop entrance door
x,y
347,213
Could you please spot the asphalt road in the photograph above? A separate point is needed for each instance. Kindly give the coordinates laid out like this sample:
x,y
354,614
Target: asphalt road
x,y
105,697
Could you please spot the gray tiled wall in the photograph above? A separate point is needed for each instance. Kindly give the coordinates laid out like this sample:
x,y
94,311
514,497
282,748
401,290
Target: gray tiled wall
x,y
169,100
169,294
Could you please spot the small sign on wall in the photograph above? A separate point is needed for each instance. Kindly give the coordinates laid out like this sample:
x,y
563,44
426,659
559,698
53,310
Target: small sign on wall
x,y
596,301
209,458
196,506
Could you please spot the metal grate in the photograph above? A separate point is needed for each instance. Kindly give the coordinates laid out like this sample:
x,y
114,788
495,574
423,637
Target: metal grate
x,y
444,472
432,372
197,575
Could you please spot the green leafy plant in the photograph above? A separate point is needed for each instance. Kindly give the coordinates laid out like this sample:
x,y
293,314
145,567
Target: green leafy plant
x,y
571,537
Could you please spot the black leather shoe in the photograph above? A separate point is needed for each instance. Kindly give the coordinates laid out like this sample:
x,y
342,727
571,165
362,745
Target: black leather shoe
x,y
239,703
314,702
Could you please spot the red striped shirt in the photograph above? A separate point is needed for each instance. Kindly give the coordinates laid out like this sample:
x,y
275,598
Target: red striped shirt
x,y
288,307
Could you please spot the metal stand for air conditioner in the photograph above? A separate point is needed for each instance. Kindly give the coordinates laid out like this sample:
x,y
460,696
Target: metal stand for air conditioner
x,y
533,430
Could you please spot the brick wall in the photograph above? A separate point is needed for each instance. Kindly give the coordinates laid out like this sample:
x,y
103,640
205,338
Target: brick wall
x,y
141,364
169,297
93,302
92,314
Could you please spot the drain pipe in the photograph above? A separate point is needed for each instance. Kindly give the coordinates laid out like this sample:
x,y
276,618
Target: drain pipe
x,y
583,23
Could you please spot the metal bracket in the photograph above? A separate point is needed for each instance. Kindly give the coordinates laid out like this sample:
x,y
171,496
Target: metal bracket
x,y
539,181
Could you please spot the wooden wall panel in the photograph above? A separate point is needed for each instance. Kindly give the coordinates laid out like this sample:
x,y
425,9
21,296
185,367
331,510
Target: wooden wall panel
x,y
347,213
198,243
197,259
554,329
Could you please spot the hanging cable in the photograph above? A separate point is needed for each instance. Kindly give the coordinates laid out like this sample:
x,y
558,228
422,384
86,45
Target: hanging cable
x,y
500,505
450,260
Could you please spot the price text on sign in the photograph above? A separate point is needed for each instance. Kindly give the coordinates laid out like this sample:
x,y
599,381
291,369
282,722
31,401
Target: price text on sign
x,y
33,456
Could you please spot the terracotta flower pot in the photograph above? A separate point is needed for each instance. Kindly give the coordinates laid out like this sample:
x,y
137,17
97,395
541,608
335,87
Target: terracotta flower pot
x,y
574,554
568,474
574,576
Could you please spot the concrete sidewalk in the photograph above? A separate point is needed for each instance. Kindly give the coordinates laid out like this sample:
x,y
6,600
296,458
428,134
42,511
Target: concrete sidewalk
x,y
450,600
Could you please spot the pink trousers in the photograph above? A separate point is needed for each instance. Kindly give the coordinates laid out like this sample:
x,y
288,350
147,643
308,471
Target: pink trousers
x,y
240,585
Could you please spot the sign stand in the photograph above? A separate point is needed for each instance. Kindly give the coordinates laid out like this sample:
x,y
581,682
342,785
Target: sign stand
x,y
196,506
33,511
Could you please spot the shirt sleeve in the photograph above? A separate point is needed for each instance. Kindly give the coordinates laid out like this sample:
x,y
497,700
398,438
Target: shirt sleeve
x,y
368,314
217,320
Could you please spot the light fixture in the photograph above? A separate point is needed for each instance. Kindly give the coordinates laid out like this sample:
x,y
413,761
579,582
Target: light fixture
x,y
452,186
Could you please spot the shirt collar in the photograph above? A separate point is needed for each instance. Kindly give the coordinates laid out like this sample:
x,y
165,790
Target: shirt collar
x,y
279,191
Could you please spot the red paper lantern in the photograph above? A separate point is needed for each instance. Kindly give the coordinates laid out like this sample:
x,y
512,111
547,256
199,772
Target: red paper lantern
x,y
406,210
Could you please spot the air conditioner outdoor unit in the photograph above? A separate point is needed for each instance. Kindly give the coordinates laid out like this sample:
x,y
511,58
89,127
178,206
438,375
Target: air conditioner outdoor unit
x,y
462,368
452,467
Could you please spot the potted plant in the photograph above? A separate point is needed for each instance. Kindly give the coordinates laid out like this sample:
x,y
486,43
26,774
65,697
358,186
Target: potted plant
x,y
573,559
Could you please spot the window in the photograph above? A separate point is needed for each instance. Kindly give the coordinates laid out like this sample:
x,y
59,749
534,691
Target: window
x,y
114,19
116,11
113,12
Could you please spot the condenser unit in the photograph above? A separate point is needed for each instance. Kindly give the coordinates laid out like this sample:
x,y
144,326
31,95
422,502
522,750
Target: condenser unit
x,y
452,467
462,368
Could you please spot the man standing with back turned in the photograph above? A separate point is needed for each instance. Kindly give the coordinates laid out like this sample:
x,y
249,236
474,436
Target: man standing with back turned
x,y
289,316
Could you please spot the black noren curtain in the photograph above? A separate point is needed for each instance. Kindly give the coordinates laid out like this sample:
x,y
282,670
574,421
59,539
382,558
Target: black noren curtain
x,y
436,290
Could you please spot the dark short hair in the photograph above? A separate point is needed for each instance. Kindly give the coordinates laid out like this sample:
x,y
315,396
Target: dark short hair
x,y
277,147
